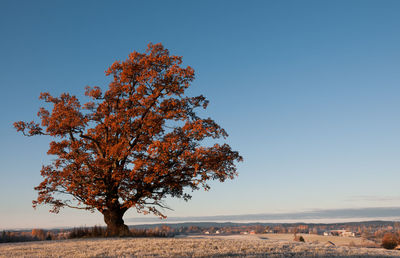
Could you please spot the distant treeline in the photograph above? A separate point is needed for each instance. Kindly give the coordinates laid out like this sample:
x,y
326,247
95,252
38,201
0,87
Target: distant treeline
x,y
81,232
373,230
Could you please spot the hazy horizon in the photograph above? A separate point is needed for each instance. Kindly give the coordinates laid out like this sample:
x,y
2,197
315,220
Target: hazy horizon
x,y
330,216
313,216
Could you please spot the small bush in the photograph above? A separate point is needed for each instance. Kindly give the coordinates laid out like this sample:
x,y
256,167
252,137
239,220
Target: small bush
x,y
389,241
298,238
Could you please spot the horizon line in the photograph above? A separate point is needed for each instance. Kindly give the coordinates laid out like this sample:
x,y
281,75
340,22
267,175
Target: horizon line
x,y
329,215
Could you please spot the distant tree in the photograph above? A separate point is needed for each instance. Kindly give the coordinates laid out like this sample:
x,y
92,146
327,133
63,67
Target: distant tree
x,y
259,229
133,145
4,237
39,234
389,241
49,236
193,229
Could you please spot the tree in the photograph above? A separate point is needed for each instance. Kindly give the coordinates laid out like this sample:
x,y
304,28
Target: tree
x,y
133,145
38,233
389,241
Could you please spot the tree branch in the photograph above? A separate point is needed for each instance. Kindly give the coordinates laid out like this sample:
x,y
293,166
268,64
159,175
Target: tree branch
x,y
96,143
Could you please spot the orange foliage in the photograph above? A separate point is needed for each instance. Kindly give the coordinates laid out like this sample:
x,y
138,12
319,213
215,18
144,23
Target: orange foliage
x,y
38,233
132,145
389,241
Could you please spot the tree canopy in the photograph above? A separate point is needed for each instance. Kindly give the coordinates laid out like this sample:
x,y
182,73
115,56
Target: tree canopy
x,y
132,145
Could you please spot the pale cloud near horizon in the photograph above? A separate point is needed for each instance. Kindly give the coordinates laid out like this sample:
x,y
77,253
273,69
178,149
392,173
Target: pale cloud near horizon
x,y
374,198
326,215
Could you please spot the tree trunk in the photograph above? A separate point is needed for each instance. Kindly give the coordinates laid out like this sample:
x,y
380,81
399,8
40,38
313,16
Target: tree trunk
x,y
115,223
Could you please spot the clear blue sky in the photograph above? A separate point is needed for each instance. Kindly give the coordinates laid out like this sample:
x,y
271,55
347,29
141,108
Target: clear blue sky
x,y
308,90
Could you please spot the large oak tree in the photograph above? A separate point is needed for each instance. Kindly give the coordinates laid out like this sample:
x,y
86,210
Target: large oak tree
x,y
133,145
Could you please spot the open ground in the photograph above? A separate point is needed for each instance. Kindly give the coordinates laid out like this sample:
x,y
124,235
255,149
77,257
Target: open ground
x,y
262,245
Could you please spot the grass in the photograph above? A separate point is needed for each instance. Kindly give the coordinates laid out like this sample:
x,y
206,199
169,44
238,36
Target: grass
x,y
201,246
337,240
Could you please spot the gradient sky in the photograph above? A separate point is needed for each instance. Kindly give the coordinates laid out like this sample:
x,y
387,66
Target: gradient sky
x,y
308,91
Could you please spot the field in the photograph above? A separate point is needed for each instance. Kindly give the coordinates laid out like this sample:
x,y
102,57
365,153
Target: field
x,y
271,245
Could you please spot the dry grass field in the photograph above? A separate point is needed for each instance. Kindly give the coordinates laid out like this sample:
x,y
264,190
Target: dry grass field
x,y
271,245
337,240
